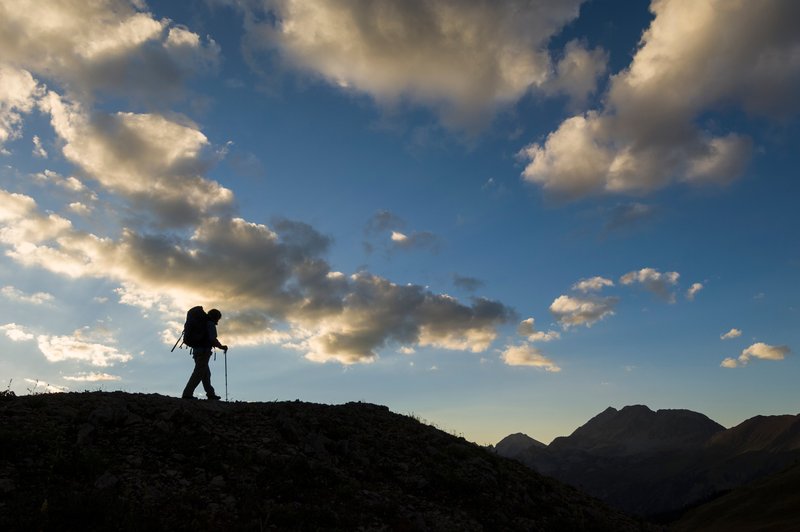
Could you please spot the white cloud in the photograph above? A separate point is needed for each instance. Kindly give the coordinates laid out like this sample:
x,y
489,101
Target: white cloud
x,y
104,45
593,284
694,57
79,208
38,298
541,336
38,149
39,386
570,311
92,377
15,206
654,281
526,355
154,162
693,290
63,348
764,352
99,333
527,329
464,59
758,350
571,162
71,183
17,333
22,226
398,237
576,73
733,333
84,345
18,94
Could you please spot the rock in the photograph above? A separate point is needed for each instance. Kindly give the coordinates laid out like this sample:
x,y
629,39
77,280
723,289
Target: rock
x,y
7,485
133,419
85,432
107,480
108,415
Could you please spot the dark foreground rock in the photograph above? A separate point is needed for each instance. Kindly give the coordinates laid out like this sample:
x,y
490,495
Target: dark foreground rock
x,y
117,461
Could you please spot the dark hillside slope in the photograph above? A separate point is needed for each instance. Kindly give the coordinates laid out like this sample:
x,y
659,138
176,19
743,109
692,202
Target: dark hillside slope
x,y
117,461
770,504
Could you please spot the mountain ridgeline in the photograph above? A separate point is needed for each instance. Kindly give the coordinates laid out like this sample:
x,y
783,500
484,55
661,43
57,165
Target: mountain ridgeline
x,y
655,464
119,461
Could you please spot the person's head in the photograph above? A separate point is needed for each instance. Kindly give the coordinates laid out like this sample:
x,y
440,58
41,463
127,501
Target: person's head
x,y
214,315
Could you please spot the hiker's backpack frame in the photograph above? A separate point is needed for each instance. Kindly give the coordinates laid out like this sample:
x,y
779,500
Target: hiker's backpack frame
x,y
195,329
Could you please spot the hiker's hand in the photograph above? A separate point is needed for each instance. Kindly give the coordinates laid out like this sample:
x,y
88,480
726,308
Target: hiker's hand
x,y
225,348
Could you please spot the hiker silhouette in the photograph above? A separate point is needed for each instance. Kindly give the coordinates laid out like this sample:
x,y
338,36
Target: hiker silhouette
x,y
202,354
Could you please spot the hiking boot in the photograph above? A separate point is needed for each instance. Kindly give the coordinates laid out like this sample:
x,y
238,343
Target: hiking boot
x,y
214,397
189,397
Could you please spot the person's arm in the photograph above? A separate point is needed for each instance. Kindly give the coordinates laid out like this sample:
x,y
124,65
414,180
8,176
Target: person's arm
x,y
217,344
212,332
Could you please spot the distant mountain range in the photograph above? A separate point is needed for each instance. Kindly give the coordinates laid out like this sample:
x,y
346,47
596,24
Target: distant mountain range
x,y
655,464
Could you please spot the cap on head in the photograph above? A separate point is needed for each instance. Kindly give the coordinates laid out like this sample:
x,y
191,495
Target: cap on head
x,y
214,314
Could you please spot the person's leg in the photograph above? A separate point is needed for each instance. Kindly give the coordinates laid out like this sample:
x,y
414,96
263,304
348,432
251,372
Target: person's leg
x,y
195,377
206,379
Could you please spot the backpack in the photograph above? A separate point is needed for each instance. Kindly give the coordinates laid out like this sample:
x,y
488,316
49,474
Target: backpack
x,y
195,330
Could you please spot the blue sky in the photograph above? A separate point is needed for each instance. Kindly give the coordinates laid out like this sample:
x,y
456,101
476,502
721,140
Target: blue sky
x,y
501,217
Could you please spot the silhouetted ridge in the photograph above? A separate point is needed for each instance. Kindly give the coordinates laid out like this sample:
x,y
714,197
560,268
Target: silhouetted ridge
x,y
657,463
760,433
117,461
514,444
636,429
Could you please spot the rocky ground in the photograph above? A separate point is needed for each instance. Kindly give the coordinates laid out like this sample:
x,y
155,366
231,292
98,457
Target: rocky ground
x,y
119,461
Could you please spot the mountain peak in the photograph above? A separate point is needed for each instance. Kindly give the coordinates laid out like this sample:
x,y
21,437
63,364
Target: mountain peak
x,y
637,428
636,408
514,444
656,463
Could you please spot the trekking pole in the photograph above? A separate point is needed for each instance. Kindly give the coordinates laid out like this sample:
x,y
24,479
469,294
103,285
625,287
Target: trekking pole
x,y
176,342
226,374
